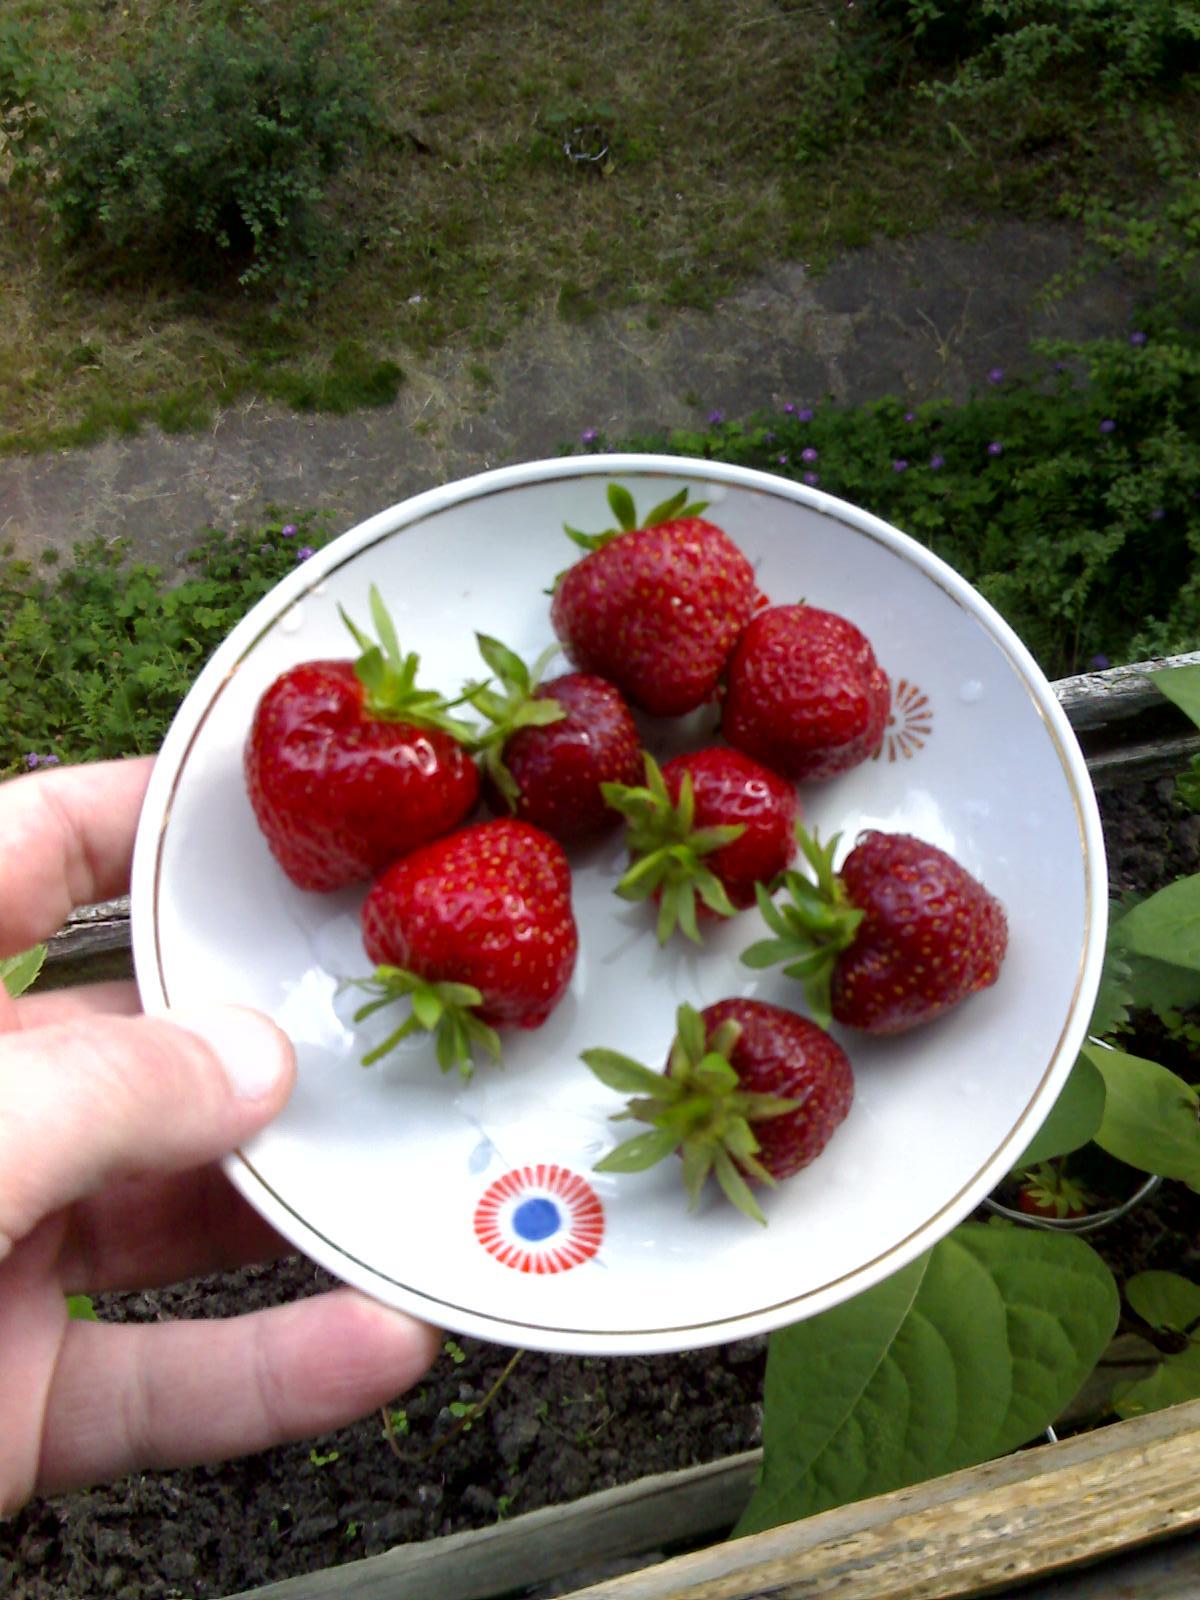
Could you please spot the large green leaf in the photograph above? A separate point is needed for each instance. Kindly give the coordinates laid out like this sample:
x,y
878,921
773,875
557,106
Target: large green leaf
x,y
1074,1120
965,1354
18,972
1150,1116
1182,685
1166,926
1164,1300
1176,1380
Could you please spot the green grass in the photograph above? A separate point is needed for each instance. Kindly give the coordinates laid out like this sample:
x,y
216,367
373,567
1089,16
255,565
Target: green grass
x,y
739,136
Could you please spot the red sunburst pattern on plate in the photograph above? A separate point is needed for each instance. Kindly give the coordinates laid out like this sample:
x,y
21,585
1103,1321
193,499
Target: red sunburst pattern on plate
x,y
540,1219
909,724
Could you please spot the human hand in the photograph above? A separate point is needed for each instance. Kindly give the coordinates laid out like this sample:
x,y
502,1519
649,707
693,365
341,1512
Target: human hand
x,y
111,1126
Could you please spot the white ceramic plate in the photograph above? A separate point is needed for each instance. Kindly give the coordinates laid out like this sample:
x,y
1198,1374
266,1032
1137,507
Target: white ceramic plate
x,y
415,1186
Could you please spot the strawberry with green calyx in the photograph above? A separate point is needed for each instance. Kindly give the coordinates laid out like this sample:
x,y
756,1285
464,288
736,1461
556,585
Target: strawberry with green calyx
x,y
349,764
1048,1191
655,606
484,912
702,832
552,745
900,935
751,1094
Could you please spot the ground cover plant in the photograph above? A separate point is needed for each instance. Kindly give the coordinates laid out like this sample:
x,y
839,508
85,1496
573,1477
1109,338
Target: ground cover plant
x,y
481,201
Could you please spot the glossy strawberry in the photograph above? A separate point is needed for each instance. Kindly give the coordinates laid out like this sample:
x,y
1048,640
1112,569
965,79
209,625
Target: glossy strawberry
x,y
751,1093
655,608
804,693
702,832
898,937
477,930
349,765
552,745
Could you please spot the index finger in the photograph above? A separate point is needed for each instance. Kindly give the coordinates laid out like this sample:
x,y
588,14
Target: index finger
x,y
66,840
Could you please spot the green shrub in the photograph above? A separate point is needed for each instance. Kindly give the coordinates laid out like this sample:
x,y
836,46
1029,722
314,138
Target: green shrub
x,y
212,154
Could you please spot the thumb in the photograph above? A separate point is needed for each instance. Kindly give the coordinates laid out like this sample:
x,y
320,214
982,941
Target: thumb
x,y
101,1098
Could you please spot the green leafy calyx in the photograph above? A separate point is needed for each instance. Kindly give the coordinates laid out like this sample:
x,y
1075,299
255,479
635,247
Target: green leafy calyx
x,y
510,707
810,927
669,850
696,1109
622,506
389,678
446,1010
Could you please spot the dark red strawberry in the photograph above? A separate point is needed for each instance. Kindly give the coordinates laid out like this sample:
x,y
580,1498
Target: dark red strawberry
x,y
1048,1191
349,765
751,1092
655,608
899,936
477,930
702,833
551,745
804,693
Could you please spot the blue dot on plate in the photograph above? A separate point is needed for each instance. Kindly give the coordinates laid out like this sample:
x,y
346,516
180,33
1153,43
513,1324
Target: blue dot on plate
x,y
536,1219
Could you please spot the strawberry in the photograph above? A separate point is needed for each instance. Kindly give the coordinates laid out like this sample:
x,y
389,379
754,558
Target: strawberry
x,y
552,745
751,1092
702,833
899,936
804,693
348,764
1047,1191
655,608
477,930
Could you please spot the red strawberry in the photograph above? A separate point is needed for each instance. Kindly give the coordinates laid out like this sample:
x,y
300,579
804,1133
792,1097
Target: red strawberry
x,y
1048,1191
655,608
751,1092
477,930
899,936
348,764
804,693
552,745
702,833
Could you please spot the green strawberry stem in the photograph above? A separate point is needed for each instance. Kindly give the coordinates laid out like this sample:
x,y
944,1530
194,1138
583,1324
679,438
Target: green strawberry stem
x,y
1054,1190
446,1010
811,927
389,678
669,851
621,503
695,1108
510,708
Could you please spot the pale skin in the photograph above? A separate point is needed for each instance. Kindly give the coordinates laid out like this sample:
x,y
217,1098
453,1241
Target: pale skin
x,y
111,1129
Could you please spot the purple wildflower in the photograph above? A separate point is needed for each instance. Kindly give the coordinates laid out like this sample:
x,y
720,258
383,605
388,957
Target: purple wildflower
x,y
589,436
33,760
910,416
900,465
782,458
789,409
995,448
1108,425
1099,663
304,552
715,418
812,479
50,761
288,531
937,462
804,414
769,436
1137,337
1157,514
808,453
996,375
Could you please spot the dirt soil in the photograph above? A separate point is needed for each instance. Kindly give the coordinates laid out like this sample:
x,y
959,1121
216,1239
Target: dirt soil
x,y
560,1427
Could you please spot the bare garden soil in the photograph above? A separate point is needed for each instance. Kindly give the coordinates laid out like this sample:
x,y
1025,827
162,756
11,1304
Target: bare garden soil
x,y
559,1427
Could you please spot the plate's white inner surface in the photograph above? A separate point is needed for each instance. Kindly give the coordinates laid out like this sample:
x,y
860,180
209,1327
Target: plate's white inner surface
x,y
388,1165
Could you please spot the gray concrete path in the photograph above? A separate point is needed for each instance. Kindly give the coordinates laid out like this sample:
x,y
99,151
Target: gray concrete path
x,y
921,318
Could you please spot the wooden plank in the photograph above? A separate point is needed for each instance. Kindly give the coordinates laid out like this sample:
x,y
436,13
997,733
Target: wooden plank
x,y
652,1513
982,1531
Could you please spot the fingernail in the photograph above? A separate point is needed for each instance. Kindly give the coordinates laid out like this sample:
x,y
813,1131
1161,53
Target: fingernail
x,y
253,1051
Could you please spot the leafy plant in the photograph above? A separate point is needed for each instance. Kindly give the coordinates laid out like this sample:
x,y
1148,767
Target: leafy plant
x,y
214,149
19,972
